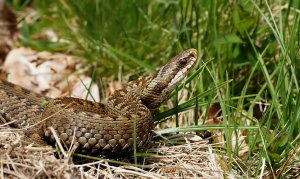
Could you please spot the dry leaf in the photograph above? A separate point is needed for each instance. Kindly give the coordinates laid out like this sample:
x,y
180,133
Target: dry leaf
x,y
81,90
47,73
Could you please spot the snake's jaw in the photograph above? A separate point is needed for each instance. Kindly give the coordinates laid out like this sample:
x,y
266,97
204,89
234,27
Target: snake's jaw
x,y
168,77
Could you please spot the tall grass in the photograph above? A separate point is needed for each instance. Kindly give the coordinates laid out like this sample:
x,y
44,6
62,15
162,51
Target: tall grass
x,y
249,52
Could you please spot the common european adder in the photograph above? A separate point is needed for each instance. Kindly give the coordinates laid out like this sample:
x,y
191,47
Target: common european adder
x,y
95,127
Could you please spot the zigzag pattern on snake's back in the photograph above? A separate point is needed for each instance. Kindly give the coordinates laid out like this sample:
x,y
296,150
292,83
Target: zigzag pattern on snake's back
x,y
95,127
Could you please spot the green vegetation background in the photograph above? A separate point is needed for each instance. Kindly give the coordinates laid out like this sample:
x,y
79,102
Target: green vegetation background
x,y
248,52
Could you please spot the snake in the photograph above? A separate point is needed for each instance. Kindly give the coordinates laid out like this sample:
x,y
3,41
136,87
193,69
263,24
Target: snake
x,y
93,127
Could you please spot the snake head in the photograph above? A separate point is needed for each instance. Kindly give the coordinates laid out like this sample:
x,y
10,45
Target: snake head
x,y
167,78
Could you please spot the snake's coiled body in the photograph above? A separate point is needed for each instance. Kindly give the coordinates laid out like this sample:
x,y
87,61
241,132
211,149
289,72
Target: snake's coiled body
x,y
96,127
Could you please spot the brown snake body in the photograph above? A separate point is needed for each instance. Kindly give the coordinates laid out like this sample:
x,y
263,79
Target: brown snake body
x,y
96,127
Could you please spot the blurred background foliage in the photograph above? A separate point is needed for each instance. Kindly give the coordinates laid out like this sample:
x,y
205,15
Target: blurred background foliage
x,y
147,33
251,45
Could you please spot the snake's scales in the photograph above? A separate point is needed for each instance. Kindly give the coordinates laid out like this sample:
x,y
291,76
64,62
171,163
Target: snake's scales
x,y
96,127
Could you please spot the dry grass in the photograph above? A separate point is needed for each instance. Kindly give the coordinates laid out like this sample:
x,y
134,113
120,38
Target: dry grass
x,y
187,160
26,161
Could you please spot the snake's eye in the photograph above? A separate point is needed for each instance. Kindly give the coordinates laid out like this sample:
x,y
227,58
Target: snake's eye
x,y
183,62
